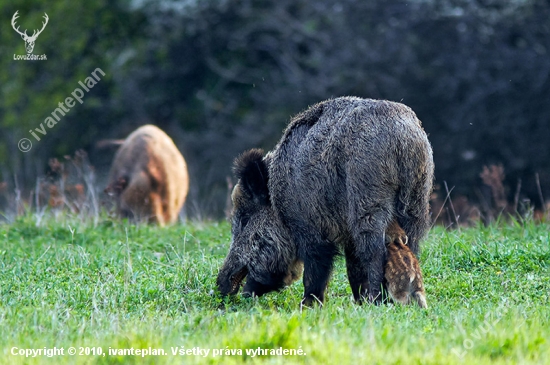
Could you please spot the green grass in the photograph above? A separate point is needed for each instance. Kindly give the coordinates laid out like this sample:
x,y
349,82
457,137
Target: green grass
x,y
120,286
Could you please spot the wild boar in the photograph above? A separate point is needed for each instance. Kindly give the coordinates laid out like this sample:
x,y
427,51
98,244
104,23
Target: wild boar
x,y
148,177
343,170
402,271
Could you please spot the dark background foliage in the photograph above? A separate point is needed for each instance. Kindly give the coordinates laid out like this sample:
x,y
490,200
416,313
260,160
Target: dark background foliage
x,y
223,76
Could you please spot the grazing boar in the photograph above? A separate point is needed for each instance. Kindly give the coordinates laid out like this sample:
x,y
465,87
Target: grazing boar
x,y
343,170
402,272
148,177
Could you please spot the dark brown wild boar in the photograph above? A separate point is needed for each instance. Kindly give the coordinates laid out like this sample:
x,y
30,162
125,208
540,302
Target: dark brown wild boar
x,y
343,170
402,272
148,177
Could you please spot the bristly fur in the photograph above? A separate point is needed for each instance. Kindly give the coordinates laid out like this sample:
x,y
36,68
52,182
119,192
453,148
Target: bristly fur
x,y
252,172
342,171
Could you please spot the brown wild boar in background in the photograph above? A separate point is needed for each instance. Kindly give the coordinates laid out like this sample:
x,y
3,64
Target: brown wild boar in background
x,y
343,170
402,272
148,177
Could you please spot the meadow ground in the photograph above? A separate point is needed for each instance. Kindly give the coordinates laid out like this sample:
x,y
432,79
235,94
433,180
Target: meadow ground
x,y
116,286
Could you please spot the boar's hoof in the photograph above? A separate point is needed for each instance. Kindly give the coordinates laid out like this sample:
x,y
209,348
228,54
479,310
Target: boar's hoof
x,y
375,298
311,301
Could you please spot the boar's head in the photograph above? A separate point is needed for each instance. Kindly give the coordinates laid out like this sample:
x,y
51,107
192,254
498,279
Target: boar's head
x,y
261,249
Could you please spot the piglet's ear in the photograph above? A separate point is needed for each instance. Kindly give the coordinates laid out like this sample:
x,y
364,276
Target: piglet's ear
x,y
251,170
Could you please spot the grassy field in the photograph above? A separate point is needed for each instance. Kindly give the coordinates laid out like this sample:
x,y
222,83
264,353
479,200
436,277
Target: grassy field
x,y
117,286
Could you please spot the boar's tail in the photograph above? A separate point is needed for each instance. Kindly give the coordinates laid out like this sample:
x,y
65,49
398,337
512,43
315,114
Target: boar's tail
x,y
412,201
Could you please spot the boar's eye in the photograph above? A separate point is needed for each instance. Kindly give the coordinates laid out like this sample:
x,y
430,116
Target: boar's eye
x,y
239,222
244,220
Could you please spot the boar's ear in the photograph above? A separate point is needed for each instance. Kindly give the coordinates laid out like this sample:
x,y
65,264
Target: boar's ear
x,y
251,170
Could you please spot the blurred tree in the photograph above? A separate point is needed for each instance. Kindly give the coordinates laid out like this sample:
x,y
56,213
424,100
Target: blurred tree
x,y
221,76
80,37
231,73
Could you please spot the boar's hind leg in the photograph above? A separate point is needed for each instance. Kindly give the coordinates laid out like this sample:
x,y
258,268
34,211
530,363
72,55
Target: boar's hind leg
x,y
357,276
413,211
318,261
365,258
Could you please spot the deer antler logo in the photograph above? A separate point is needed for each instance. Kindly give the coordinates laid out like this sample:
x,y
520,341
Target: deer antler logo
x,y
29,41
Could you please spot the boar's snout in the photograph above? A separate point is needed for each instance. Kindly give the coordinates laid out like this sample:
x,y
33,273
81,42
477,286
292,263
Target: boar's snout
x,y
229,281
